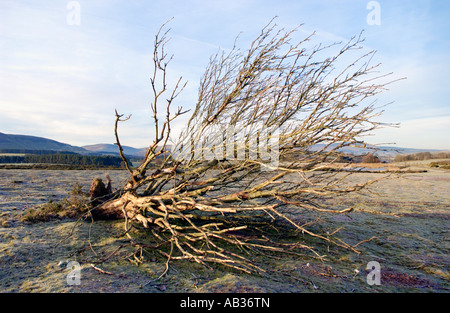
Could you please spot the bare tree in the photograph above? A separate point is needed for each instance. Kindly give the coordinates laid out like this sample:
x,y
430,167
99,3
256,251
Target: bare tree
x,y
267,123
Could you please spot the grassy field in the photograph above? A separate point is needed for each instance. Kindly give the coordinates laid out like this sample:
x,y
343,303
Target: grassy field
x,y
406,219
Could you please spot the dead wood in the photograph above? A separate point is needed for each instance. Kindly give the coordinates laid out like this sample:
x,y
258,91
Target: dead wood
x,y
268,123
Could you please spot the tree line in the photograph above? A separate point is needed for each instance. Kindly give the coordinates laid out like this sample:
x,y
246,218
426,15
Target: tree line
x,y
63,158
28,151
421,156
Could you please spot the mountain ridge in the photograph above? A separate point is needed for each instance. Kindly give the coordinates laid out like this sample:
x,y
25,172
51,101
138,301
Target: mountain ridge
x,y
29,142
106,148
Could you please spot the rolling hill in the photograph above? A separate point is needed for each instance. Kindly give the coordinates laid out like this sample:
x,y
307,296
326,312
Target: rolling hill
x,y
104,148
386,153
30,143
25,142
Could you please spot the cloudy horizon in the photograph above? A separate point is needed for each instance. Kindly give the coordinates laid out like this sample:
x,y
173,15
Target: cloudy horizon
x,y
64,72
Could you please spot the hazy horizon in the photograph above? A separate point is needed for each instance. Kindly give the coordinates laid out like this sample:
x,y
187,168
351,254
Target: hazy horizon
x,y
169,145
67,65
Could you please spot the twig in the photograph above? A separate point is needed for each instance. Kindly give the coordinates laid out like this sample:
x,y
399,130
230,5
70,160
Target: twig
x,y
367,240
125,160
100,270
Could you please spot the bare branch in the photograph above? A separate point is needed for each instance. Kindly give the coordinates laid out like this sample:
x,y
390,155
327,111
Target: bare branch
x,y
119,119
219,184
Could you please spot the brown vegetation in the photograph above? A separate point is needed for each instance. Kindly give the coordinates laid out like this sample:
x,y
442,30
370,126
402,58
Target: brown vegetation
x,y
421,156
441,164
370,158
72,206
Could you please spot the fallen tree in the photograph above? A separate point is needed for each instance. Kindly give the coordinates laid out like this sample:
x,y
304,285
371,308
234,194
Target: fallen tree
x,y
249,159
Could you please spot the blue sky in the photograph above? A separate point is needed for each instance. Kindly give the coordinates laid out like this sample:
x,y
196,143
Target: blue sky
x,y
64,81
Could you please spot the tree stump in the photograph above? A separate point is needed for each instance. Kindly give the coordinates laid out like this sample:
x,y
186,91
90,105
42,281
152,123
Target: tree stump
x,y
100,194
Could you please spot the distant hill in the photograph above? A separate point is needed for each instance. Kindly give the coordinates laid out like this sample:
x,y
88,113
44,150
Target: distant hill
x,y
105,148
384,152
30,143
40,145
25,142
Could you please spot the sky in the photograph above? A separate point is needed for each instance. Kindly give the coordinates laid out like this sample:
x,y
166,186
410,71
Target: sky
x,y
65,66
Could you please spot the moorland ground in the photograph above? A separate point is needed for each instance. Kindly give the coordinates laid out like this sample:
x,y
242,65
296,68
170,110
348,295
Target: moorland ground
x,y
407,219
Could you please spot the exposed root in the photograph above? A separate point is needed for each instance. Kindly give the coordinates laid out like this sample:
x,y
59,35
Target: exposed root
x,y
205,234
